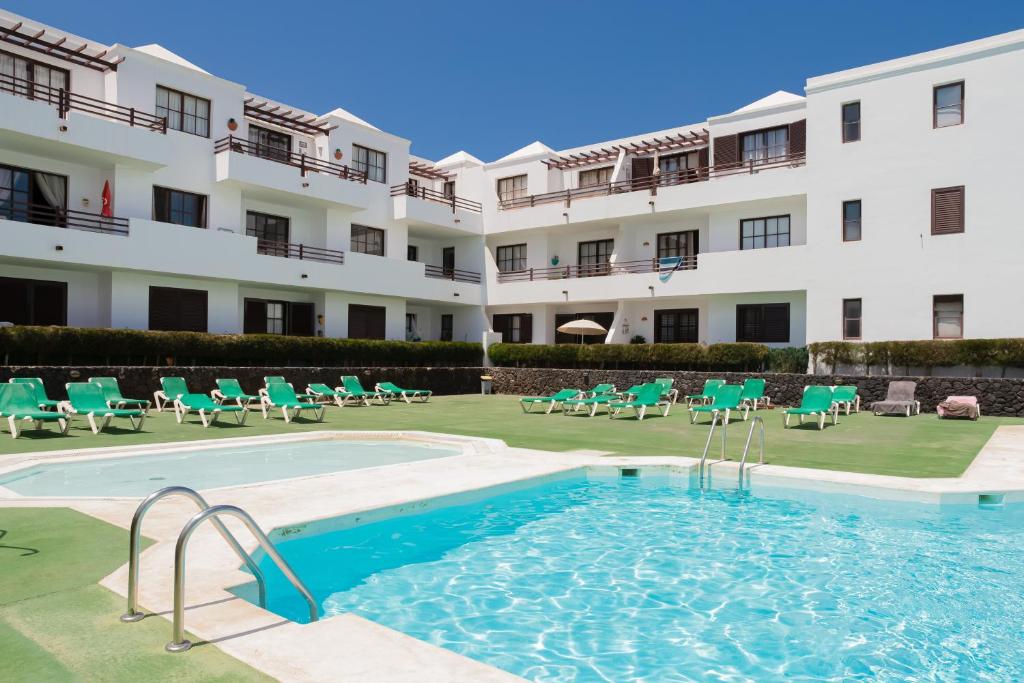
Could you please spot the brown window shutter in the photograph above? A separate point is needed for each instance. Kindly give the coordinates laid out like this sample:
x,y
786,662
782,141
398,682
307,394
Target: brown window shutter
x,y
526,328
703,161
254,320
948,210
300,320
798,137
726,149
171,308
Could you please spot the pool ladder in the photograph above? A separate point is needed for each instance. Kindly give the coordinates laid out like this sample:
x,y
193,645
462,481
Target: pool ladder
x,y
705,466
212,512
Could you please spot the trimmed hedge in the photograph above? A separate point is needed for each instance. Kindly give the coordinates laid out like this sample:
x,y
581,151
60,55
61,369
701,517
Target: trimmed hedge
x,y
739,356
84,346
928,353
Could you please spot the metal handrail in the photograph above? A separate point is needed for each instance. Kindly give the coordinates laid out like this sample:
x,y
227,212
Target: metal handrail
x,y
746,448
703,458
178,642
136,533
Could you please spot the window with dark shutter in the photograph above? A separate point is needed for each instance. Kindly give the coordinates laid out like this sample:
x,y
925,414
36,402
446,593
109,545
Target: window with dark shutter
x,y
515,328
366,322
33,302
300,320
762,323
255,317
727,149
948,210
798,137
447,326
176,309
676,326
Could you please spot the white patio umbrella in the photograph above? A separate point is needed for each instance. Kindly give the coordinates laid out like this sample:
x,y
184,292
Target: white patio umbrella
x,y
583,327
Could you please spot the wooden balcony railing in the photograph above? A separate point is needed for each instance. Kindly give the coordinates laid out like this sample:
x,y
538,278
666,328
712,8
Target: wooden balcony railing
x,y
650,265
305,164
652,183
410,189
42,214
452,274
65,101
299,251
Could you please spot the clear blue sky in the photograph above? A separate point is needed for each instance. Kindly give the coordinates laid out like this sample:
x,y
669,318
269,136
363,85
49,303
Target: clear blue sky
x,y
491,76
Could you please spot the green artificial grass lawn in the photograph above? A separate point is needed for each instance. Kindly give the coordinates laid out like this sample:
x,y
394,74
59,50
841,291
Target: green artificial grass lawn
x,y
58,624
919,446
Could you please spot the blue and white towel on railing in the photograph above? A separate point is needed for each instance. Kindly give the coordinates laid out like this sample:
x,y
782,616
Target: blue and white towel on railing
x,y
668,265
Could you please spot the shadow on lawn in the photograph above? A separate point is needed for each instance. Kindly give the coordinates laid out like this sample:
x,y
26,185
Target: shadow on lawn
x,y
28,551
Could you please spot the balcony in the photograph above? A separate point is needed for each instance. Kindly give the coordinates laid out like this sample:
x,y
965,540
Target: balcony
x,y
412,190
40,214
651,265
452,274
430,209
302,252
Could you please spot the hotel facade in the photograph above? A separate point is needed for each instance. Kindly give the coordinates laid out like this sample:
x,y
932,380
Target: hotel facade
x,y
139,191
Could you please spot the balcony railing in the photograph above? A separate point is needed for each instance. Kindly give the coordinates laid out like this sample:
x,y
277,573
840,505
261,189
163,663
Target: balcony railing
x,y
410,189
653,182
299,251
42,214
65,100
305,164
453,274
650,265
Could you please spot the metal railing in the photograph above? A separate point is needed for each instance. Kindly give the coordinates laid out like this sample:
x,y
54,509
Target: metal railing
x,y
649,265
757,421
306,164
411,189
299,251
65,100
452,274
653,182
178,641
42,214
132,613
715,417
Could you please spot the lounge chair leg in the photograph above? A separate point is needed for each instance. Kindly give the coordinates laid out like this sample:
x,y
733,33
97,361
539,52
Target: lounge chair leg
x,y
142,419
92,423
320,417
14,426
640,412
64,423
785,421
801,419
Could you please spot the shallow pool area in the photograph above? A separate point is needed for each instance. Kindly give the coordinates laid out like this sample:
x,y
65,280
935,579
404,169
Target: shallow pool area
x,y
645,578
206,468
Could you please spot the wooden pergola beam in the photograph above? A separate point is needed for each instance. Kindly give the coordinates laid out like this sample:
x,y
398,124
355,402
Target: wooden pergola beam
x,y
300,123
37,42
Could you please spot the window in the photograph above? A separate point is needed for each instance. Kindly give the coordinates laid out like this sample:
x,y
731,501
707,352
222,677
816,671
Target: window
x,y
593,257
271,233
948,105
447,327
411,333
32,79
278,317
515,328
595,176
948,210
449,189
270,144
678,164
764,233
33,302
762,323
512,188
511,258
366,322
948,316
187,113
32,196
367,240
765,145
178,207
176,309
851,122
675,326
851,221
371,162
851,318
605,320
684,244
412,253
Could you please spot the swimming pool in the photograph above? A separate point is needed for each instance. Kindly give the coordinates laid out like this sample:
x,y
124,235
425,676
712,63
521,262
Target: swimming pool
x,y
646,579
140,475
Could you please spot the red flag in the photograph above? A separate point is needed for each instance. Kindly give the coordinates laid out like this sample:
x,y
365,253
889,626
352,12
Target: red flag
x,y
106,200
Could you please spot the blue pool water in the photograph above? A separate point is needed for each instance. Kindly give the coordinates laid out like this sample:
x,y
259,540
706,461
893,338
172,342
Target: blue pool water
x,y
643,579
211,468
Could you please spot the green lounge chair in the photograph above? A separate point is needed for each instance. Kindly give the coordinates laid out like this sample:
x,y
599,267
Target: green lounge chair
x,y
39,390
600,390
555,400
208,409
753,393
325,394
726,400
708,394
282,395
170,389
18,402
112,392
592,403
845,397
407,395
817,401
649,396
353,386
666,384
278,379
87,398
231,390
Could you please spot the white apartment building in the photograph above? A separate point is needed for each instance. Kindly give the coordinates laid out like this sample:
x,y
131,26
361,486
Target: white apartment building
x,y
138,190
